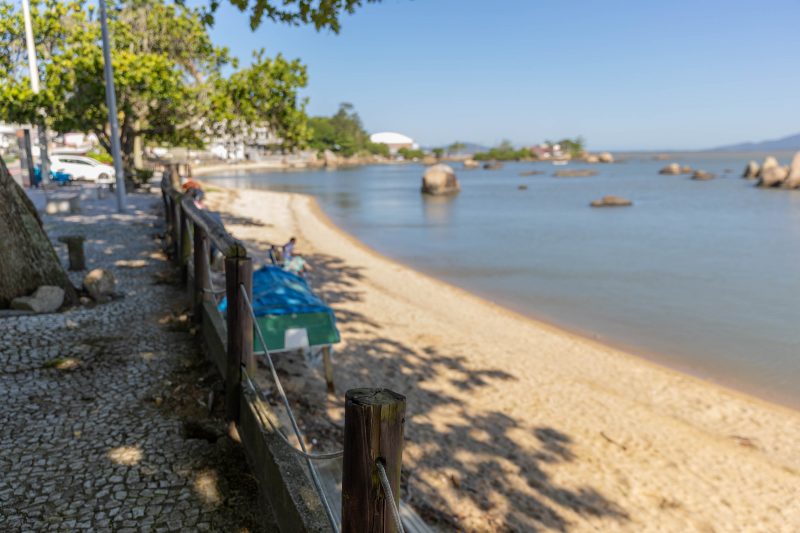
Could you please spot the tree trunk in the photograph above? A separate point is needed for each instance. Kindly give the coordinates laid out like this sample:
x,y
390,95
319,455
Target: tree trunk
x,y
28,259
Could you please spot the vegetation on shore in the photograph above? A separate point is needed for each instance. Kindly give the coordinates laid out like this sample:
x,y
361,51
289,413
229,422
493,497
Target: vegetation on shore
x,y
343,134
168,75
505,151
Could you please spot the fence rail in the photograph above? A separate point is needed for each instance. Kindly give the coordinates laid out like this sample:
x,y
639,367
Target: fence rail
x,y
374,418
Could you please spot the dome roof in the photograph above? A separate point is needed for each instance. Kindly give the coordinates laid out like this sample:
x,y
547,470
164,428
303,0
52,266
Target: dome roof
x,y
390,137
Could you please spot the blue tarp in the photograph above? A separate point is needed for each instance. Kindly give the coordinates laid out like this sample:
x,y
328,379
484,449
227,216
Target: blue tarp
x,y
277,292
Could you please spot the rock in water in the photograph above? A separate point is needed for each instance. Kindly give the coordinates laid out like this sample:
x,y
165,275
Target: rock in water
x,y
611,201
792,181
673,169
591,158
773,176
471,163
46,299
686,169
605,157
751,171
493,165
575,173
100,284
702,175
440,180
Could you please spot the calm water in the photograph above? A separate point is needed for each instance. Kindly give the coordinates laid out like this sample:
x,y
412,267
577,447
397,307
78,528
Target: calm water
x,y
702,276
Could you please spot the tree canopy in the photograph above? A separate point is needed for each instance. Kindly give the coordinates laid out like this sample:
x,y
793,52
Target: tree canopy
x,y
321,13
168,75
505,151
343,133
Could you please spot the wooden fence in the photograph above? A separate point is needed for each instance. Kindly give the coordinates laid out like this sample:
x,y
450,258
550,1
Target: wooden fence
x,y
374,418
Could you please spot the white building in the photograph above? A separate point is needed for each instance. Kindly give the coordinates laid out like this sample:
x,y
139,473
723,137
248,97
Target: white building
x,y
394,141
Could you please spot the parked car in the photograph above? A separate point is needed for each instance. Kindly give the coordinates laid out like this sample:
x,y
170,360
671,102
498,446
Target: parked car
x,y
56,176
82,168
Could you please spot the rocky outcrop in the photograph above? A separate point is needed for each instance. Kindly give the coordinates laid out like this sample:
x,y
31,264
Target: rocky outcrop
x,y
591,158
575,173
471,163
331,159
606,157
673,169
792,181
771,174
440,180
611,201
100,284
531,172
493,165
702,175
751,171
46,299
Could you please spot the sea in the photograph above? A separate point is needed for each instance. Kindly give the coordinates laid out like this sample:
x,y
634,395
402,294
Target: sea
x,y
700,276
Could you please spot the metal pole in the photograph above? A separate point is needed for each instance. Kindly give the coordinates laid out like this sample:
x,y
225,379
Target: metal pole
x,y
34,75
111,103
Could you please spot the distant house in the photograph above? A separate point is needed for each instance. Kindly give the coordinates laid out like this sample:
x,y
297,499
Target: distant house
x,y
395,141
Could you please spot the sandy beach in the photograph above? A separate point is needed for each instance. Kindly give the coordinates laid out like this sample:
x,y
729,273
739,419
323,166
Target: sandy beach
x,y
515,425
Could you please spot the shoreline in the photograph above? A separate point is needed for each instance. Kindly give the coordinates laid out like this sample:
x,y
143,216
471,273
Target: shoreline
x,y
605,344
551,428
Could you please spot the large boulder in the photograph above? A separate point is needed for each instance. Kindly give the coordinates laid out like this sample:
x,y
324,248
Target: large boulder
x,y
673,169
100,284
605,157
702,175
773,176
611,201
769,162
440,180
471,163
331,159
46,299
591,158
751,171
792,181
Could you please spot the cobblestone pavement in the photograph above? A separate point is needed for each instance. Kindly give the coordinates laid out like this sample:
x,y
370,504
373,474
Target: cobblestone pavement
x,y
94,402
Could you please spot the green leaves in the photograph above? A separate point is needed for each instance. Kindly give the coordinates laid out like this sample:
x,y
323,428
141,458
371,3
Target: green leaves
x,y
323,14
167,72
342,133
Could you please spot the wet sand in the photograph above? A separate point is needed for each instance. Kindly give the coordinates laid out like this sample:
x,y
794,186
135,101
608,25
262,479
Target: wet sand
x,y
514,424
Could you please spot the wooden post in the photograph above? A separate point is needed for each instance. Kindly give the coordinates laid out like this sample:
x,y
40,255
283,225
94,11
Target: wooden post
x,y
77,260
176,229
373,430
201,268
328,366
238,270
184,244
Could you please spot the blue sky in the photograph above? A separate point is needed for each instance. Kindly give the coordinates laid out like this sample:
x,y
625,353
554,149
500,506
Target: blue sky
x,y
625,75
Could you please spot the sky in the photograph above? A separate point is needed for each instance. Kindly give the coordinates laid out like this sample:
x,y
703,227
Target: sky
x,y
635,75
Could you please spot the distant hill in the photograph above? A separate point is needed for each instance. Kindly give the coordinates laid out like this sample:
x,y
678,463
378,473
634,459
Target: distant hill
x,y
792,142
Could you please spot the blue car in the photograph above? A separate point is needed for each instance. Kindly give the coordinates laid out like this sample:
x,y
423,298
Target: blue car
x,y
62,178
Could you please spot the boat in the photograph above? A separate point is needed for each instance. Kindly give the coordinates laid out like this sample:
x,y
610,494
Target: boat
x,y
288,313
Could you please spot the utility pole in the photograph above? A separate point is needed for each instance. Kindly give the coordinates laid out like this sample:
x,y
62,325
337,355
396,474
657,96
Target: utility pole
x,y
111,103
34,74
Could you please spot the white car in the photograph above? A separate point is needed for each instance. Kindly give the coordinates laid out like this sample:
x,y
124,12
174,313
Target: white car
x,y
82,168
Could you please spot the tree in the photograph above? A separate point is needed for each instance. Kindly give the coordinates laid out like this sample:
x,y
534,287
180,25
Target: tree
x,y
505,151
167,72
438,152
321,13
28,259
343,133
456,147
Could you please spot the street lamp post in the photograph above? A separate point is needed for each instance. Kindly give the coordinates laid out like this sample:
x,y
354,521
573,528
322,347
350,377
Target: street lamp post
x,y
111,103
34,75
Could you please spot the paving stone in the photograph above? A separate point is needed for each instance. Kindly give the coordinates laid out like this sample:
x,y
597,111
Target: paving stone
x,y
83,447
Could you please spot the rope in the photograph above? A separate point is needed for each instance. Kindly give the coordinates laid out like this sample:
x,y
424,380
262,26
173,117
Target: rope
x,y
387,491
317,456
295,427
